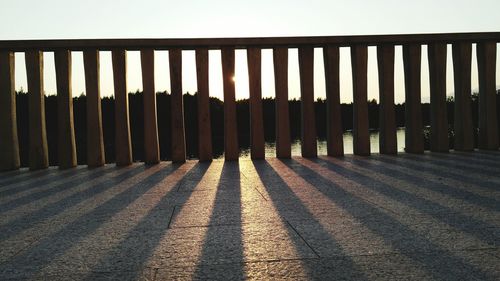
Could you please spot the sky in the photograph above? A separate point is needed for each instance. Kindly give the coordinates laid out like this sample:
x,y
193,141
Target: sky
x,y
70,19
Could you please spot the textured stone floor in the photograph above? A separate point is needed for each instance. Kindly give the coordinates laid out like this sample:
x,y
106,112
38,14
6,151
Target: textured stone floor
x,y
431,216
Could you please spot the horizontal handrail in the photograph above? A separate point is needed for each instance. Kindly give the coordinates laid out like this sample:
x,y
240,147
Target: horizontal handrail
x,y
243,43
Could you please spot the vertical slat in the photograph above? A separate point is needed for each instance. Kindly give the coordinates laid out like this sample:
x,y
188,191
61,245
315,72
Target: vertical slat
x,y
204,126
151,146
463,128
306,71
283,144
95,141
439,116
231,150
256,115
414,139
39,156
488,119
335,142
361,137
387,116
9,145
66,131
122,124
177,106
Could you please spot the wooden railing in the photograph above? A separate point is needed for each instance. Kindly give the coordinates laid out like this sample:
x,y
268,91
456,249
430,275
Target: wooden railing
x,y
412,44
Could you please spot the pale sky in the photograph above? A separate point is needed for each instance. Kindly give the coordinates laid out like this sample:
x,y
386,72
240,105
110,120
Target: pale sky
x,y
65,19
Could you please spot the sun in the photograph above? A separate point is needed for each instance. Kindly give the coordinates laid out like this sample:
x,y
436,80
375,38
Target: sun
x,y
234,78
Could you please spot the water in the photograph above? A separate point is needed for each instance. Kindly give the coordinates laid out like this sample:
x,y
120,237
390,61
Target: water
x,y
270,147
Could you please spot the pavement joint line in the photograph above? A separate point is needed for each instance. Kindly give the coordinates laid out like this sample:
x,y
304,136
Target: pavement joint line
x,y
262,195
303,239
171,217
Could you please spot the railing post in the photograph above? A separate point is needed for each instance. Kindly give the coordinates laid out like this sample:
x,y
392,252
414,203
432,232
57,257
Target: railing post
x,y
306,71
95,142
256,115
122,124
414,139
439,116
66,132
334,131
359,62
177,106
231,150
203,99
463,128
9,145
387,116
39,156
151,146
488,119
280,61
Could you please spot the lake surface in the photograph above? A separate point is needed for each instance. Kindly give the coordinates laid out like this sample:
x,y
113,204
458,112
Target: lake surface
x,y
270,147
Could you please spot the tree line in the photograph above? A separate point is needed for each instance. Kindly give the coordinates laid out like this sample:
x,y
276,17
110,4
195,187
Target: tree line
x,y
191,124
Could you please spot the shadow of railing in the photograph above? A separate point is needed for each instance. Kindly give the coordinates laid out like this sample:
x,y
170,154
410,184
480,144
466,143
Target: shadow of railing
x,y
141,241
445,169
77,179
415,246
279,192
233,240
44,251
392,168
475,227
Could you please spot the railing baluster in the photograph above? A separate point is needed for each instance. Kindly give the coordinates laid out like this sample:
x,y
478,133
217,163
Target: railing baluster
x,y
203,99
334,131
256,115
122,124
414,139
231,150
463,128
39,156
280,60
9,152
439,117
488,119
177,106
66,132
306,71
387,116
151,146
361,137
95,141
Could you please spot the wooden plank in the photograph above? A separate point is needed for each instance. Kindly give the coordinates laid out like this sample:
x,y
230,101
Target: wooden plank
x,y
283,144
439,117
231,150
256,115
65,125
95,141
387,115
39,155
122,122
242,43
203,100
306,72
9,154
334,130
463,126
414,139
151,144
177,106
488,118
359,62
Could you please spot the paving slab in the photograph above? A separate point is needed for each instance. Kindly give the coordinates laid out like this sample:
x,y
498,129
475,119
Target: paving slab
x,y
408,217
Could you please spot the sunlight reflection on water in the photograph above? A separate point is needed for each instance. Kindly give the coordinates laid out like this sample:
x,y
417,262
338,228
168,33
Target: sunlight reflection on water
x,y
348,145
